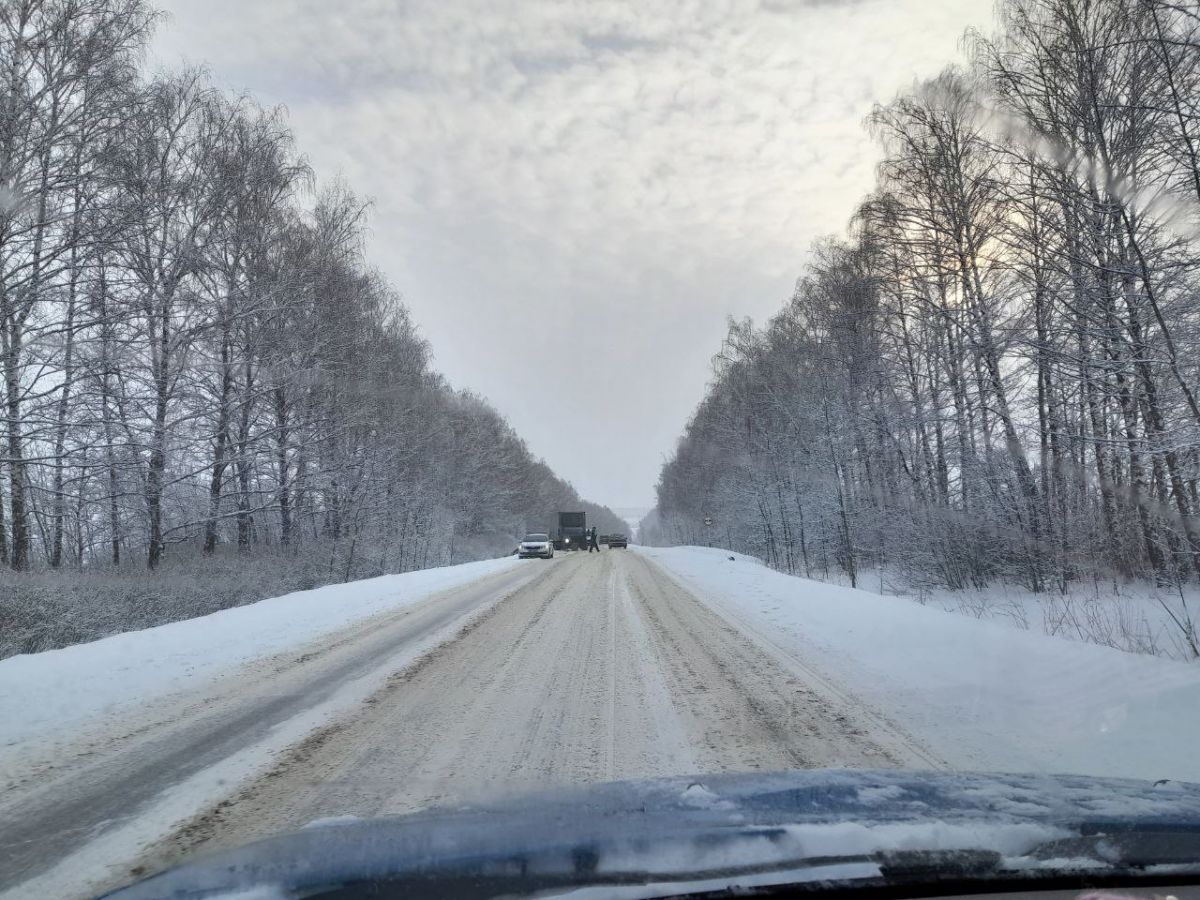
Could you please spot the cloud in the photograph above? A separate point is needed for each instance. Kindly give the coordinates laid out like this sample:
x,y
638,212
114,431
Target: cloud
x,y
569,183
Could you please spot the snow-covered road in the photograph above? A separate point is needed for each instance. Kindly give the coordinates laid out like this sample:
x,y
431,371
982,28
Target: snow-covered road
x,y
80,802
387,695
602,669
580,669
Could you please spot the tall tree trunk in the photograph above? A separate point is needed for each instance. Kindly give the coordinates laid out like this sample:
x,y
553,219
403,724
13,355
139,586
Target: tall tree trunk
x,y
282,466
242,461
220,447
61,415
156,467
106,417
19,514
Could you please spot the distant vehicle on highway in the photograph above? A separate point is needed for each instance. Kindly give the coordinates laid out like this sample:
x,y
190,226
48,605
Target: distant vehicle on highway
x,y
536,545
617,540
572,531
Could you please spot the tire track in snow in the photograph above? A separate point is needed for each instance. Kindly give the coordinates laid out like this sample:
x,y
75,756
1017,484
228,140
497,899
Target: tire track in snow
x,y
603,668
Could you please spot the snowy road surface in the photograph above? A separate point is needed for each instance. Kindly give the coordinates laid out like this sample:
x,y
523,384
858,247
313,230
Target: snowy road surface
x,y
582,669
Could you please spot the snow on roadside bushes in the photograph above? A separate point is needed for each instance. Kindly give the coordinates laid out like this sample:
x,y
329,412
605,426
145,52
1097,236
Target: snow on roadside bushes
x,y
983,695
51,691
1140,618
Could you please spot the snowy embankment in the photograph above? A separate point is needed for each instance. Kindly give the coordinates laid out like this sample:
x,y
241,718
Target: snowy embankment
x,y
61,690
982,695
1138,617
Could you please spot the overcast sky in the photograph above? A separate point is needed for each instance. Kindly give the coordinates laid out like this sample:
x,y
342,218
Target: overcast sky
x,y
573,195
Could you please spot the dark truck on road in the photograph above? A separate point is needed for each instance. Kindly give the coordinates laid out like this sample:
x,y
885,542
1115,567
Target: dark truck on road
x,y
572,531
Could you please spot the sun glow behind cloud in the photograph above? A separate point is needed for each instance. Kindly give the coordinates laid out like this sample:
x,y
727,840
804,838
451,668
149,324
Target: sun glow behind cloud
x,y
573,195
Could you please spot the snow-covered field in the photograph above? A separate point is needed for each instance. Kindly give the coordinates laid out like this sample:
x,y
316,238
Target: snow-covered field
x,y
984,695
1140,618
60,690
1137,616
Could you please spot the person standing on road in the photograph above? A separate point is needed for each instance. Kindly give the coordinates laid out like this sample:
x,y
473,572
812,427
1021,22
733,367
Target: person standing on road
x,y
592,545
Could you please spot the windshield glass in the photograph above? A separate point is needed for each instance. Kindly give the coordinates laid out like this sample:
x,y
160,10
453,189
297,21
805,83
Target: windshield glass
x,y
846,356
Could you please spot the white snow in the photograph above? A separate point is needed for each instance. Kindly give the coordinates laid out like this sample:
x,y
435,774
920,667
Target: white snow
x,y
333,821
1134,616
880,795
700,797
772,846
59,690
982,695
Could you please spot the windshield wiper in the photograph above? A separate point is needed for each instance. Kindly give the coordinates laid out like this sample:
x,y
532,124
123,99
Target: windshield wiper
x,y
927,866
1122,847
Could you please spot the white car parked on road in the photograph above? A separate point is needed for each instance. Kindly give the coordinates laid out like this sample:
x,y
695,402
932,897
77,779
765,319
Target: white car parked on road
x,y
538,545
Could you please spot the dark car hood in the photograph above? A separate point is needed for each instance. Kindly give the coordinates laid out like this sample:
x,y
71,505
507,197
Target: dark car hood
x,y
828,825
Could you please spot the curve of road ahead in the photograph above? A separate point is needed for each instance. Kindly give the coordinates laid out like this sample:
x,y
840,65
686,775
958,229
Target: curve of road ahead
x,y
583,669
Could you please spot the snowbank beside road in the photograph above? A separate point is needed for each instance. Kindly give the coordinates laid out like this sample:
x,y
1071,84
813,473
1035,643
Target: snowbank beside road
x,y
1138,617
982,695
58,689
